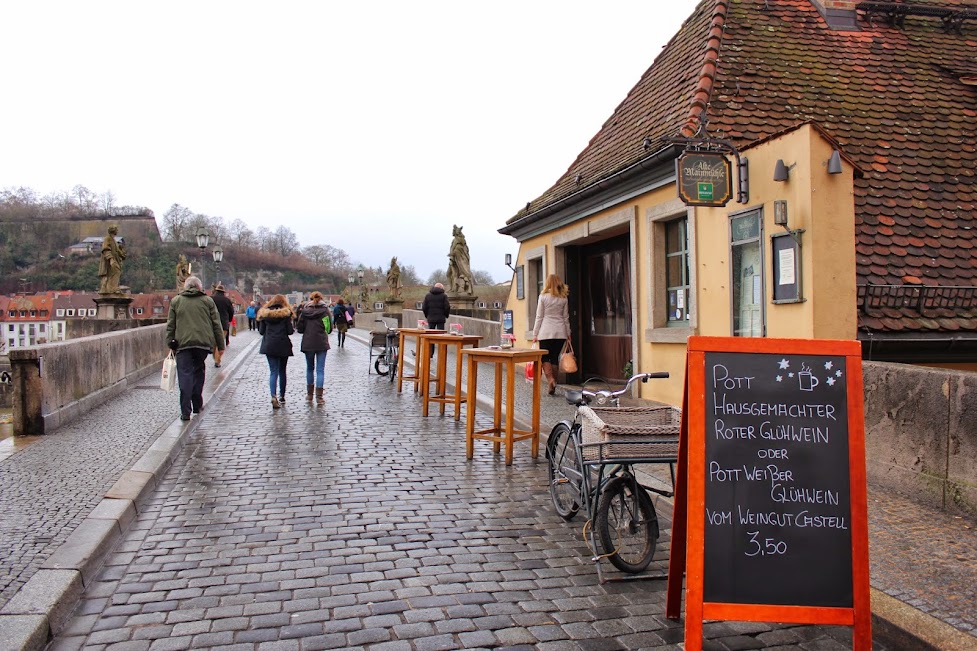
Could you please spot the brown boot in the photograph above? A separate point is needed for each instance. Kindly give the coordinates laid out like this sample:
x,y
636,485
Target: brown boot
x,y
308,396
319,399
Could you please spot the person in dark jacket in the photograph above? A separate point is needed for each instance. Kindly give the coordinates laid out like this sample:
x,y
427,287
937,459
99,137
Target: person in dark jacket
x,y
315,344
275,326
225,308
436,309
339,321
193,329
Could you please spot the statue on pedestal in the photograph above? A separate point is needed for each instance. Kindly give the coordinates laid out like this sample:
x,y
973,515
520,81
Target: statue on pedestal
x,y
110,264
393,278
182,272
459,265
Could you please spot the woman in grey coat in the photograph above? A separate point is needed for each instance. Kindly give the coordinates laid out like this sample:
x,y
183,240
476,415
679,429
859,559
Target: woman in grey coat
x,y
315,344
552,327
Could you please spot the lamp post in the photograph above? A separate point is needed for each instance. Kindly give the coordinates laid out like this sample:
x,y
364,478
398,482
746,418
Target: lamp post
x,y
359,276
218,256
350,279
203,238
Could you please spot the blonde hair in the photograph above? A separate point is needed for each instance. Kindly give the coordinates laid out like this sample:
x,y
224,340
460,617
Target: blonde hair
x,y
554,285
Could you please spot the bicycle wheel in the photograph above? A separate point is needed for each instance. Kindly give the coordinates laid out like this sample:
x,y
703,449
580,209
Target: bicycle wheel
x,y
381,366
564,472
627,524
393,363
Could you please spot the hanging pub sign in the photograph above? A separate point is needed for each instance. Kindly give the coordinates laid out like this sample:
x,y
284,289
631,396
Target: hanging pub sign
x,y
704,178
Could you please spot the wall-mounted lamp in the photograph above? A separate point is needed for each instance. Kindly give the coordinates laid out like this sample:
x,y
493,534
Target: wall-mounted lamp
x,y
780,213
508,261
834,163
781,172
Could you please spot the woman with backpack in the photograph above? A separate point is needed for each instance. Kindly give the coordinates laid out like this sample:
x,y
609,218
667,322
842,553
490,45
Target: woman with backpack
x,y
340,322
315,344
275,326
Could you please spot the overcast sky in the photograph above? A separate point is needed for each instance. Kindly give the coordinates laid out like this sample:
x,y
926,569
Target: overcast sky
x,y
369,126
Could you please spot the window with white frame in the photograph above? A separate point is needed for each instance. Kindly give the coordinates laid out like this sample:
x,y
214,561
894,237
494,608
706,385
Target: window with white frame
x,y
10,327
59,311
91,311
677,283
43,328
378,306
138,310
71,312
746,256
497,305
481,305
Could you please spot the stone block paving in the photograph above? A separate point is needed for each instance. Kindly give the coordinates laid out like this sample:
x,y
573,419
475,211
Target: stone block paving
x,y
51,485
361,525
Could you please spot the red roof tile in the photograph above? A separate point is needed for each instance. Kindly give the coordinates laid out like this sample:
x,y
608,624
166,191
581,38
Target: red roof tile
x,y
893,97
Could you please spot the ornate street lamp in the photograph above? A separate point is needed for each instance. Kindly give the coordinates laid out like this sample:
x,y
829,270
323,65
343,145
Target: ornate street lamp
x,y
203,238
218,256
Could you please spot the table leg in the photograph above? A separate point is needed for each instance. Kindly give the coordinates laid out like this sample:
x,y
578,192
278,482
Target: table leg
x,y
537,384
422,375
510,408
470,421
497,411
442,382
458,384
400,362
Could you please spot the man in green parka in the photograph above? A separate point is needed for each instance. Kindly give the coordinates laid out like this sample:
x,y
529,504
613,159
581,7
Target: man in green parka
x,y
193,330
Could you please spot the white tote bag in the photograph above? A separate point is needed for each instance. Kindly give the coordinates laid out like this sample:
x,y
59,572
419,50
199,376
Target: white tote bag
x,y
167,381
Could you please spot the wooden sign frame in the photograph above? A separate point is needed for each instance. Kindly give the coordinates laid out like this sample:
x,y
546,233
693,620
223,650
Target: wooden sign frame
x,y
688,551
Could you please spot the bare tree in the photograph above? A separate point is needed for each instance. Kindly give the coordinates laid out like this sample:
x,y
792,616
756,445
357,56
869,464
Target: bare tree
x,y
177,223
264,237
284,241
408,276
437,276
482,278
241,236
317,254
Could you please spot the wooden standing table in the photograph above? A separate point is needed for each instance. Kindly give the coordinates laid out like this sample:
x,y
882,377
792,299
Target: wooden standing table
x,y
415,334
503,358
442,341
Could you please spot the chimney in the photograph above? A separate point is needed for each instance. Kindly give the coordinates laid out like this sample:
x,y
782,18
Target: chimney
x,y
839,14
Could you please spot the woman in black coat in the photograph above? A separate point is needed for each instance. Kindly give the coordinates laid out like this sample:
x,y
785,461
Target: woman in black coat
x,y
275,326
315,343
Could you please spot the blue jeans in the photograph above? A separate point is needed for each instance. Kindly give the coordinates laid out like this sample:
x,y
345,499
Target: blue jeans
x,y
315,368
277,375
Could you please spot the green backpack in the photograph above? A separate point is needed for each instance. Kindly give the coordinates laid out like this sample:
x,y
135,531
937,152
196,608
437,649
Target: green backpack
x,y
327,323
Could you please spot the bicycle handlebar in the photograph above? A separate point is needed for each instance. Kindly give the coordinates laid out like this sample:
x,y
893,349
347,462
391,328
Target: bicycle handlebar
x,y
604,396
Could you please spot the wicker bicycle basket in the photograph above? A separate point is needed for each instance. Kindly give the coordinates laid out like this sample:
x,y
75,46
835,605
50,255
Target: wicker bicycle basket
x,y
635,433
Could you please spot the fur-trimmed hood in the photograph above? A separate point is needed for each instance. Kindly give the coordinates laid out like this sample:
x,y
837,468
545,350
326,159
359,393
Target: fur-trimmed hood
x,y
266,313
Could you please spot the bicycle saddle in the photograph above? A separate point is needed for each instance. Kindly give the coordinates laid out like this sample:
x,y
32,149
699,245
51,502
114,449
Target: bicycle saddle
x,y
577,398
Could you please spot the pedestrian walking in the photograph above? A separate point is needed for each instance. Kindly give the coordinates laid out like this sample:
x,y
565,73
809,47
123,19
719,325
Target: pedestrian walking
x,y
552,327
252,314
275,326
193,330
225,309
436,308
315,344
339,321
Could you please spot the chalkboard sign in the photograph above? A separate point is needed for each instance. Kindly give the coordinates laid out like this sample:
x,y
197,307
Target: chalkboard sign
x,y
770,502
777,509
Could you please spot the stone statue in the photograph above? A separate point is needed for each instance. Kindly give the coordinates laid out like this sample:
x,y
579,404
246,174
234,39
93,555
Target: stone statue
x,y
459,265
393,278
182,272
110,264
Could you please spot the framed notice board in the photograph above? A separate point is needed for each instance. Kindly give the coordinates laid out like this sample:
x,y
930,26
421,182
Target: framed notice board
x,y
770,503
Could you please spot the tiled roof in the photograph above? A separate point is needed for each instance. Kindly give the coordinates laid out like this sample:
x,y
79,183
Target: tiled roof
x,y
901,101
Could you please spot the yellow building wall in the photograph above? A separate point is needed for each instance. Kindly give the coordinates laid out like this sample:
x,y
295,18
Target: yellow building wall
x,y
820,204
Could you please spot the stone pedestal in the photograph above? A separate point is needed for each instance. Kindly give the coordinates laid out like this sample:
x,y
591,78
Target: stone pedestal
x,y
113,306
394,307
463,304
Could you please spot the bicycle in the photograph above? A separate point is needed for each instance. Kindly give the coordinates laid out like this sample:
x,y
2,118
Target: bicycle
x,y
386,364
600,476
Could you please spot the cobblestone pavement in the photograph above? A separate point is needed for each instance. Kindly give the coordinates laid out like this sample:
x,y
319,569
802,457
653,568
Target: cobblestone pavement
x,y
51,485
361,525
